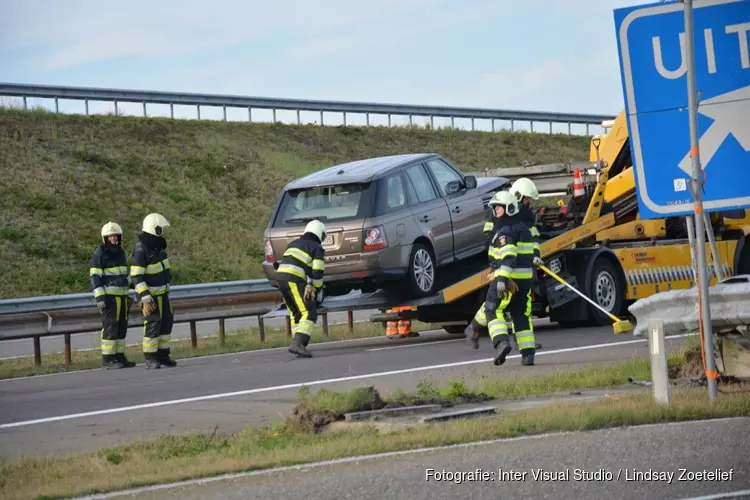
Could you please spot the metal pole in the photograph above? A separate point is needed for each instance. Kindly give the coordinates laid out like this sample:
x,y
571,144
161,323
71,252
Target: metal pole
x,y
703,302
712,245
690,222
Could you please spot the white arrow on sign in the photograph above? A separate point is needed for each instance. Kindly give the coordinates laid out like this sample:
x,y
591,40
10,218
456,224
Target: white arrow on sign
x,y
731,118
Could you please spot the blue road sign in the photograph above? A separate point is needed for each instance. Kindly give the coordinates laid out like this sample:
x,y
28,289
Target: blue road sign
x,y
651,42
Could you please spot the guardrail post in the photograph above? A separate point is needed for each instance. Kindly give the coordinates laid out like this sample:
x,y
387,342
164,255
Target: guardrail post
x,y
350,321
145,114
288,327
86,101
199,111
299,121
344,118
193,336
493,124
221,331
587,129
367,117
224,109
261,328
389,119
274,115
117,113
171,110
512,125
324,319
321,117
453,124
37,351
531,124
67,350
550,128
659,373
472,124
57,106
249,114
569,128
25,104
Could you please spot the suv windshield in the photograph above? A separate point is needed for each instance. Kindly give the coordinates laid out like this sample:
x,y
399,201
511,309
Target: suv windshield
x,y
326,203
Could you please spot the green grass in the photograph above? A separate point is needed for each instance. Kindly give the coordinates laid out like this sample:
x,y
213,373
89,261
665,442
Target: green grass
x,y
64,176
238,341
180,457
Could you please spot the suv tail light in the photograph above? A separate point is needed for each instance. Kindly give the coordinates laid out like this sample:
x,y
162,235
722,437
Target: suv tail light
x,y
375,239
270,257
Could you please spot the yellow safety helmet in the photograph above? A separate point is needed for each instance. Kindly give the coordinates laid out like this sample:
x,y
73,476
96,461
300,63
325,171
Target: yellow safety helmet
x,y
506,199
317,228
111,229
525,187
154,224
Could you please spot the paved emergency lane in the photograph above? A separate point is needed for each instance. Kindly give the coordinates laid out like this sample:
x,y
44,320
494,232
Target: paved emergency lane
x,y
90,340
616,460
76,411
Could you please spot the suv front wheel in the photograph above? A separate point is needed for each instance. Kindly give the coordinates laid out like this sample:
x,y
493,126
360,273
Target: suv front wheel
x,y
422,271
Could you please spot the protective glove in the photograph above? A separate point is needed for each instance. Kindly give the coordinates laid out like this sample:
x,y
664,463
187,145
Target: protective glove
x,y
275,265
319,297
538,261
309,292
512,286
101,306
147,305
500,288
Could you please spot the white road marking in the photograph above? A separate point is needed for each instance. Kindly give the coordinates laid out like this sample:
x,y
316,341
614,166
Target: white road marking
x,y
420,344
729,494
389,454
311,383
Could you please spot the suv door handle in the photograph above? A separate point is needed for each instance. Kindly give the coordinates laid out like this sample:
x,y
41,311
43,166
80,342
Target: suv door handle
x,y
425,218
456,210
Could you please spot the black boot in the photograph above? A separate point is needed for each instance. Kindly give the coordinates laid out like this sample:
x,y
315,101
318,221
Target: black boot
x,y
110,362
502,348
527,357
164,358
125,362
473,333
152,361
298,346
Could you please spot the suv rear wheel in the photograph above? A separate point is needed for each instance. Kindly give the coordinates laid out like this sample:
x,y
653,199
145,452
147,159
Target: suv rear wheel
x,y
422,271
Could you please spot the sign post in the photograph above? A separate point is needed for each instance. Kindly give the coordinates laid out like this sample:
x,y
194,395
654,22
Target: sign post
x,y
704,321
688,159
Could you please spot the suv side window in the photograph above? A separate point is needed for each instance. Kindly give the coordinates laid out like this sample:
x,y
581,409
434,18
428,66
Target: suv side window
x,y
421,183
393,196
444,174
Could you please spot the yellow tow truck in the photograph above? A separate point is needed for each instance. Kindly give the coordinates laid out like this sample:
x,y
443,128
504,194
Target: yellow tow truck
x,y
603,248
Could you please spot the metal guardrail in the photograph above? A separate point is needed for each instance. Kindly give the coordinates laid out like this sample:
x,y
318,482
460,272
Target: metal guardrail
x,y
86,300
729,301
155,97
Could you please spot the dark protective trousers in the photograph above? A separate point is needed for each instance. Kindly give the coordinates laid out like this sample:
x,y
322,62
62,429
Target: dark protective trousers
x,y
114,325
157,326
519,306
303,314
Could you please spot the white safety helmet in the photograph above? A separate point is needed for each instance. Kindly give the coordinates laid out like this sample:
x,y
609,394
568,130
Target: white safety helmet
x,y
507,200
111,229
317,228
524,187
154,224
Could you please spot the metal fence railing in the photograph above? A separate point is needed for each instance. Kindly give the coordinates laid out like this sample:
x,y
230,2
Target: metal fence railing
x,y
64,315
87,94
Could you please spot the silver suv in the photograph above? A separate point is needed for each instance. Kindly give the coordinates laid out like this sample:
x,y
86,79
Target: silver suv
x,y
392,220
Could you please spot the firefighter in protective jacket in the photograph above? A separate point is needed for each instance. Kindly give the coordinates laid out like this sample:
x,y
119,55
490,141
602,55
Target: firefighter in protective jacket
x,y
110,283
525,190
152,278
513,254
300,278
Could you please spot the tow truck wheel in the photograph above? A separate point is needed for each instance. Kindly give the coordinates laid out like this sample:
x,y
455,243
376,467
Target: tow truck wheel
x,y
607,290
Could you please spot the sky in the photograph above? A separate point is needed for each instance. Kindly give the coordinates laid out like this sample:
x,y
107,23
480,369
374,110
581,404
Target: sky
x,y
541,55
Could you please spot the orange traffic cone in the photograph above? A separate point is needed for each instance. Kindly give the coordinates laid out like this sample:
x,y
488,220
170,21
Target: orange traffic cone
x,y
578,189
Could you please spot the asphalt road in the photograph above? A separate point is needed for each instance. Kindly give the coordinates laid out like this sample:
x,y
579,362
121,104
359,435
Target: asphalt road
x,y
83,410
665,461
90,340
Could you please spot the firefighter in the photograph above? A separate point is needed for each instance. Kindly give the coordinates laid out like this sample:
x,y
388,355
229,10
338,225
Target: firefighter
x,y
510,289
110,283
525,190
479,323
300,278
152,278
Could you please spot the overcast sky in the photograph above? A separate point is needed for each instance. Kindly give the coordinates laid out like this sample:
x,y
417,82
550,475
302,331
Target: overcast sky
x,y
546,55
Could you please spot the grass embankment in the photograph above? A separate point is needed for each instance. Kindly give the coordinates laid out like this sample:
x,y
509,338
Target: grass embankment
x,y
64,176
298,440
239,341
